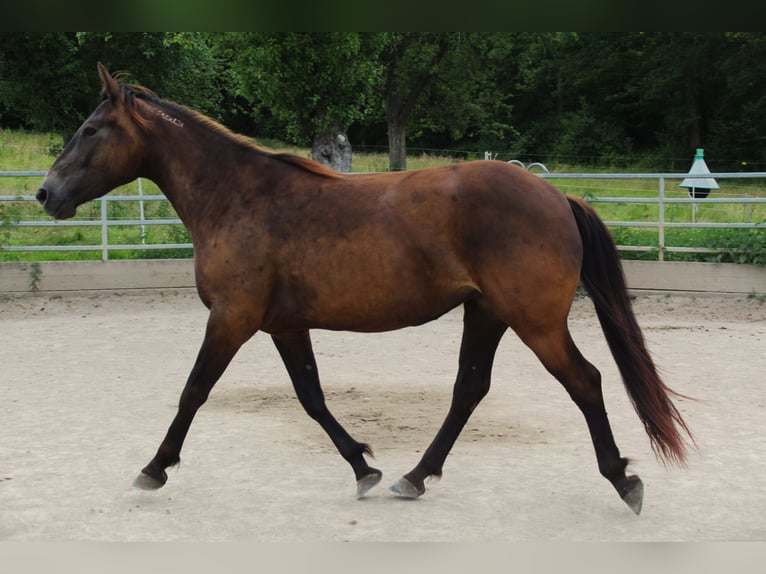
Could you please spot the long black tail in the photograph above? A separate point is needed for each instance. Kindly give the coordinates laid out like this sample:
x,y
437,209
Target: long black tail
x,y
603,278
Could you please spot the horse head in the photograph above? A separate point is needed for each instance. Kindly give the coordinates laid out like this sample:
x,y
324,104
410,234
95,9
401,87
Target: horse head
x,y
104,153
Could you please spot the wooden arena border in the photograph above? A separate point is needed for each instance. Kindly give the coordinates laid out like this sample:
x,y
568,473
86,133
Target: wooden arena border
x,y
64,276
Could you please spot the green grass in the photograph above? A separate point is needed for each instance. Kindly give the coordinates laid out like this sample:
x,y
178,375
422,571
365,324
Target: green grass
x,y
739,245
23,151
674,213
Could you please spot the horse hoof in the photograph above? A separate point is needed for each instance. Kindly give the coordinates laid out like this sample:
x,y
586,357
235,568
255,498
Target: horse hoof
x,y
633,494
364,484
145,482
406,489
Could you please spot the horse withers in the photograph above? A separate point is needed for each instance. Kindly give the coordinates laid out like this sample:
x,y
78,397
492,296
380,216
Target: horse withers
x,y
285,245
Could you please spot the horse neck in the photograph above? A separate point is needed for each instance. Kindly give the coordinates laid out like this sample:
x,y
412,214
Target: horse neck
x,y
193,167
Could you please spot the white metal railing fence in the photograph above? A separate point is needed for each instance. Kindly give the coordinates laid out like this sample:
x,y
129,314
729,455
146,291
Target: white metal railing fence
x,y
104,222
661,200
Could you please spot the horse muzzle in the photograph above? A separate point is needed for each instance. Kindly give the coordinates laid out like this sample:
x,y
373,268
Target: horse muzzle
x,y
55,206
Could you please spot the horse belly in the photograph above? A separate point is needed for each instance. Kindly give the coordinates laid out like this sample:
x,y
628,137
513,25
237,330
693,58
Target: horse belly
x,y
365,290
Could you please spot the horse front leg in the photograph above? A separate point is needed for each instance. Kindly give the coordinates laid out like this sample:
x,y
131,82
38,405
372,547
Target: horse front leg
x,y
482,331
219,346
298,356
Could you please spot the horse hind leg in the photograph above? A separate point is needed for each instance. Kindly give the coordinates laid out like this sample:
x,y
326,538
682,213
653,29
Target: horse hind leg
x,y
482,332
560,356
298,357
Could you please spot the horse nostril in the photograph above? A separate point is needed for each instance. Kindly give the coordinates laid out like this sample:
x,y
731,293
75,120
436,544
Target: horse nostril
x,y
42,195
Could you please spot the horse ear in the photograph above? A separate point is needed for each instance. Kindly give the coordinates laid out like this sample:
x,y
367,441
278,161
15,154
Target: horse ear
x,y
111,86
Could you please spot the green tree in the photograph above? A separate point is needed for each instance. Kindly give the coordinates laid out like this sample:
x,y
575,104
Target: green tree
x,y
416,65
48,81
463,100
317,83
181,66
596,94
42,84
682,84
582,96
566,87
322,83
738,124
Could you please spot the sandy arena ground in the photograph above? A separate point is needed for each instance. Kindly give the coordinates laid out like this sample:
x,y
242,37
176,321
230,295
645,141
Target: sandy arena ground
x,y
90,383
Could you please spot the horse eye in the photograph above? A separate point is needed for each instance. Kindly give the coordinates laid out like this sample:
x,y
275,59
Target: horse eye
x,y
89,131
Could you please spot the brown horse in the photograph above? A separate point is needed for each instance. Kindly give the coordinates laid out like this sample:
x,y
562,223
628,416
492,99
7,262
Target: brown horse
x,y
284,245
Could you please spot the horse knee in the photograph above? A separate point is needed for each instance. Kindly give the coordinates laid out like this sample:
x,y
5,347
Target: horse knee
x,y
471,386
480,389
193,397
316,412
314,405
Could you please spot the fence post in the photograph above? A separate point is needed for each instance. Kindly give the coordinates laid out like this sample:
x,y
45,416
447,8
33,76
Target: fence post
x,y
141,208
104,232
661,219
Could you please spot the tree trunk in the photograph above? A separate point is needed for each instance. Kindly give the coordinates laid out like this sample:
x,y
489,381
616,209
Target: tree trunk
x,y
397,147
332,148
397,135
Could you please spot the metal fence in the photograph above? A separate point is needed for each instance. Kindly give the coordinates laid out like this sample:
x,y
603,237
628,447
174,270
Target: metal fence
x,y
104,222
661,199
